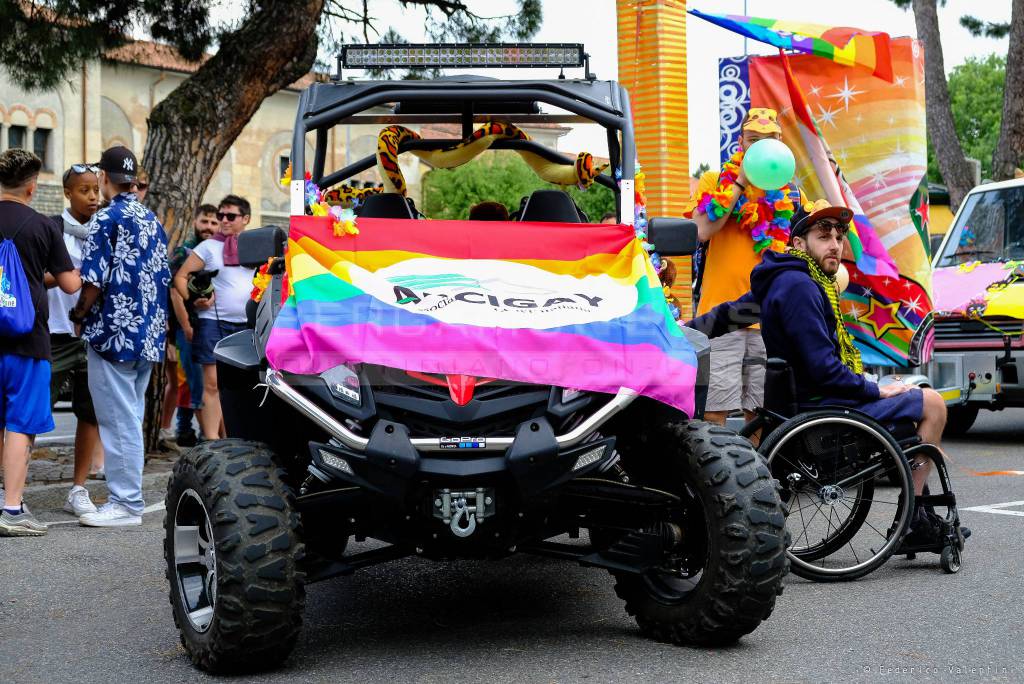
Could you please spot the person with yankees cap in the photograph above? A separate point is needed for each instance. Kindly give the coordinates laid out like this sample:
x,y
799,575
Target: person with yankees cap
x,y
122,315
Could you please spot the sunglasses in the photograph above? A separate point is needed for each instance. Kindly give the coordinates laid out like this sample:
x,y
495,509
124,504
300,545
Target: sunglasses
x,y
227,216
141,186
79,169
830,225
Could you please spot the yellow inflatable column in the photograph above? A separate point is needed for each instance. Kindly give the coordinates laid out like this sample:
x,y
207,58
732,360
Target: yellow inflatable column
x,y
652,67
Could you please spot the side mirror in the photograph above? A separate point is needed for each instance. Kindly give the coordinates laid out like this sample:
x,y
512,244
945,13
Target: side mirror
x,y
257,245
672,237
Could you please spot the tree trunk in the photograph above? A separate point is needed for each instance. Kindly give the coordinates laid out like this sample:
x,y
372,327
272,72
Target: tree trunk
x,y
194,127
1010,149
953,165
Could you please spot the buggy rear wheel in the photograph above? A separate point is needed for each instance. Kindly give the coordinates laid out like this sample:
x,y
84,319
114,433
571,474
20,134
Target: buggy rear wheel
x,y
845,518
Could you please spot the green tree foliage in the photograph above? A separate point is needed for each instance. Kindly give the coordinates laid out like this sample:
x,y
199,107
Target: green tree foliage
x,y
976,98
42,40
988,29
498,176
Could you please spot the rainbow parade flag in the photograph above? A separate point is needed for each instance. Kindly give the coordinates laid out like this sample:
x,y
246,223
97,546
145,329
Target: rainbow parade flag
x,y
571,305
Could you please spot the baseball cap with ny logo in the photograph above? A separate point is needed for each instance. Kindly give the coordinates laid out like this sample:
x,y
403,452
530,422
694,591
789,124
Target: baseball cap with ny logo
x,y
119,163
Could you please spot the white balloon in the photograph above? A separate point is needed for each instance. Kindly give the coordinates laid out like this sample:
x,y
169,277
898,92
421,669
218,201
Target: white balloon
x,y
842,278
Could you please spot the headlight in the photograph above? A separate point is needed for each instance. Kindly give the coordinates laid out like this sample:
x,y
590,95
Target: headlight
x,y
570,394
343,383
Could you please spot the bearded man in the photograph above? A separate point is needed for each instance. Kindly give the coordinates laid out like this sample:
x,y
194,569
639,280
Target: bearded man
x,y
795,298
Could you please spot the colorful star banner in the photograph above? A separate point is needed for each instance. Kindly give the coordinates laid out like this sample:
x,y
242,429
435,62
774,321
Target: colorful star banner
x,y
876,131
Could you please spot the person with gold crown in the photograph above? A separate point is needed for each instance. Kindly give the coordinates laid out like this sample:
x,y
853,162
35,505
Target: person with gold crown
x,y
740,223
797,296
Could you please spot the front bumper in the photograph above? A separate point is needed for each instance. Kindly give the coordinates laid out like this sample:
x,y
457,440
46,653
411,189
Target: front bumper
x,y
355,442
390,460
978,376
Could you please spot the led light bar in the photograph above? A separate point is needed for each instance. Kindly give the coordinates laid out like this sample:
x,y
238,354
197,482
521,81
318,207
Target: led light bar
x,y
475,55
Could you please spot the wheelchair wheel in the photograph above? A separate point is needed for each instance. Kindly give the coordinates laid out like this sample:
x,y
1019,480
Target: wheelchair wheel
x,y
835,467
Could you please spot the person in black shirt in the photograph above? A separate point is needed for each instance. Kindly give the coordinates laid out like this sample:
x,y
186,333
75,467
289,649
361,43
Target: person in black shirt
x,y
25,360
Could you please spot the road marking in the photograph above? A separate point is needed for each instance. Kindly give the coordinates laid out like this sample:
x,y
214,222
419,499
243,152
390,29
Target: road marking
x,y
997,472
152,508
998,508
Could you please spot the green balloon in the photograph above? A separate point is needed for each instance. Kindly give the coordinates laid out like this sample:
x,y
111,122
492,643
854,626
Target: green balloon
x,y
769,164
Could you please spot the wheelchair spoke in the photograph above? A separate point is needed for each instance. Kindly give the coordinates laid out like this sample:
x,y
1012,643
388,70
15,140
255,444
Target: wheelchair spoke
x,y
855,557
867,523
807,526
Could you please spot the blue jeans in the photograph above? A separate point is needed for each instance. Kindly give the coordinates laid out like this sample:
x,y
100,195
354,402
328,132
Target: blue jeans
x,y
192,370
122,384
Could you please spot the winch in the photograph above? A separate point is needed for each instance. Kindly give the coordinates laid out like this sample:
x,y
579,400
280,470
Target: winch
x,y
462,510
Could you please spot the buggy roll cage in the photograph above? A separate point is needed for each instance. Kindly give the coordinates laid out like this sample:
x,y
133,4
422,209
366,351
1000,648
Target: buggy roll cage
x,y
325,105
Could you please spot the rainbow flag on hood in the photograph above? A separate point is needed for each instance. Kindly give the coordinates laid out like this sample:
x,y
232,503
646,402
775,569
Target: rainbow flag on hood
x,y
570,305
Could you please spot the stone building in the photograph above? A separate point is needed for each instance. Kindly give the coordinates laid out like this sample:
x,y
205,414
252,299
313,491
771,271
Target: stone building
x,y
107,102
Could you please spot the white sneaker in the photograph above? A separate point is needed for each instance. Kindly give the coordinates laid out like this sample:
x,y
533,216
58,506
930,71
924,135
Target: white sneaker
x,y
78,502
168,434
110,515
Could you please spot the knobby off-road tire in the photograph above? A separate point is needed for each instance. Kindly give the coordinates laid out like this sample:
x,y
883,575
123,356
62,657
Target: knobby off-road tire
x,y
745,529
258,593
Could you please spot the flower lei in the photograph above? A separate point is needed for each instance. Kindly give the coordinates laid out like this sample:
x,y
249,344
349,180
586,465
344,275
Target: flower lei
x,y
317,205
261,281
766,214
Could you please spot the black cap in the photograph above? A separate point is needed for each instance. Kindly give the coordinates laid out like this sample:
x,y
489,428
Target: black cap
x,y
120,164
807,215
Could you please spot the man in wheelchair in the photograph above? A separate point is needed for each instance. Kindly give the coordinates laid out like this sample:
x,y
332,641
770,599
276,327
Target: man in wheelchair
x,y
795,298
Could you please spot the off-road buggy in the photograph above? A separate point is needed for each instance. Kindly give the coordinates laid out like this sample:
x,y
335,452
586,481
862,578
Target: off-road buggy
x,y
684,515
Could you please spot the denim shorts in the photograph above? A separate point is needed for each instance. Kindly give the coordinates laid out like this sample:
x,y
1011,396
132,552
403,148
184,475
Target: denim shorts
x,y
25,395
208,332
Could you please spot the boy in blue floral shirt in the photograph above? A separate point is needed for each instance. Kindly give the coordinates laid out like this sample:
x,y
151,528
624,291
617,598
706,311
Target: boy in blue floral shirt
x,y
123,310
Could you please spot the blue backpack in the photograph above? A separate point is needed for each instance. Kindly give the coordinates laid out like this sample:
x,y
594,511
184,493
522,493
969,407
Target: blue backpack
x,y
17,310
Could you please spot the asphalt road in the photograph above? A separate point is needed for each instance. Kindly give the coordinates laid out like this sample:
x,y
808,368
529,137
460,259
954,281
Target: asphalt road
x,y
86,605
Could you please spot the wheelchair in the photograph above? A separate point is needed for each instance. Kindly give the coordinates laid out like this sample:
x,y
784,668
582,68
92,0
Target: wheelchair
x,y
847,485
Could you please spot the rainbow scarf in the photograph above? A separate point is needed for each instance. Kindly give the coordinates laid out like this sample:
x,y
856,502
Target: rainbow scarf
x,y
570,305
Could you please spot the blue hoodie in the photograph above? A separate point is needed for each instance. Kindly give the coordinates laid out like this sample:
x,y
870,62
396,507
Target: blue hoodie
x,y
797,325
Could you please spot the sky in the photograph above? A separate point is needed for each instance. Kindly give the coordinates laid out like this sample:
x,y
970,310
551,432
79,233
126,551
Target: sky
x,y
592,22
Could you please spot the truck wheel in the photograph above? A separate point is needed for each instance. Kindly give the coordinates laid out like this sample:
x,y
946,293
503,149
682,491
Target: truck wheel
x,y
734,530
233,552
959,420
